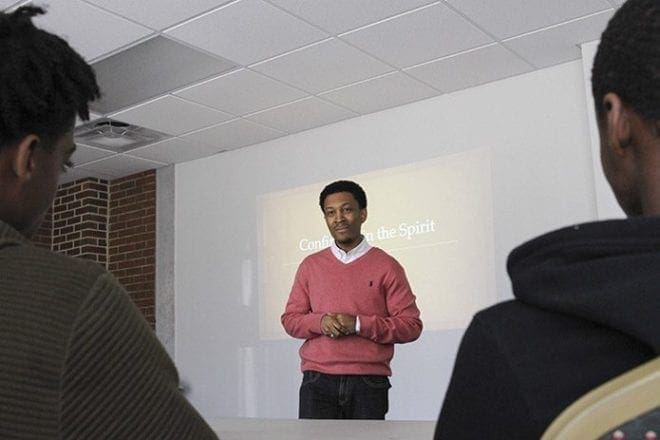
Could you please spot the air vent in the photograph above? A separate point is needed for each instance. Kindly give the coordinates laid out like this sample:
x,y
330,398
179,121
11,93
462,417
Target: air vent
x,y
116,136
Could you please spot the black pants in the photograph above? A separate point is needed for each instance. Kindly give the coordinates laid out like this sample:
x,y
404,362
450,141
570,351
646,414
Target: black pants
x,y
330,396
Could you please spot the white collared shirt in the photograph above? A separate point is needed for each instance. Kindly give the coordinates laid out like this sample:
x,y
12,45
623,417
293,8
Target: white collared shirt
x,y
353,254
347,257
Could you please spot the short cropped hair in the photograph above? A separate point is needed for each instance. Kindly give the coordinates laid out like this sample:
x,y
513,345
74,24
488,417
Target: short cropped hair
x,y
628,59
344,186
44,83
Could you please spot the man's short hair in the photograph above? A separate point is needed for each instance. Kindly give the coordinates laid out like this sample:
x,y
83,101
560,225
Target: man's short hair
x,y
44,83
344,186
628,59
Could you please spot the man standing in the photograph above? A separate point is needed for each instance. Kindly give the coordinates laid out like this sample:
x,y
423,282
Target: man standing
x,y
351,303
77,360
587,301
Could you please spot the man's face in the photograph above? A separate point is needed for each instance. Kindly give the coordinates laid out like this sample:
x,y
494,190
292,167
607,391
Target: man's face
x,y
344,219
49,162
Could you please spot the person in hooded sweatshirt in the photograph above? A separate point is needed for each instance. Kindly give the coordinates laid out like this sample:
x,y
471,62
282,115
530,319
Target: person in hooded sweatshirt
x,y
587,297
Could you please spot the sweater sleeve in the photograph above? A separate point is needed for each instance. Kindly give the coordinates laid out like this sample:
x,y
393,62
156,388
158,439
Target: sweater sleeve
x,y
483,399
403,323
298,319
118,381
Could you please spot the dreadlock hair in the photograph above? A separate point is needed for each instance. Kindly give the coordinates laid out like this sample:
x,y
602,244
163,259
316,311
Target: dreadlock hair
x,y
628,59
344,186
44,83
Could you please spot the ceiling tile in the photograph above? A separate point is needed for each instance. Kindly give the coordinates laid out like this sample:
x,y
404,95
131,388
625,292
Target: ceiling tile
x,y
559,44
4,4
119,166
302,115
234,134
323,66
149,69
172,115
84,154
241,92
339,16
175,150
158,14
419,36
78,174
179,79
247,31
381,93
506,18
470,69
89,30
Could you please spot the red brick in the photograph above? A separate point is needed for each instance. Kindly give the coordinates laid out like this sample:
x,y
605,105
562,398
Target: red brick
x,y
113,224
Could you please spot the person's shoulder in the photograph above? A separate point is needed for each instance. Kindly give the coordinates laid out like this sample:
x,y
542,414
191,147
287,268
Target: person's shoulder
x,y
69,263
510,311
513,319
323,254
379,255
42,266
39,283
376,252
502,310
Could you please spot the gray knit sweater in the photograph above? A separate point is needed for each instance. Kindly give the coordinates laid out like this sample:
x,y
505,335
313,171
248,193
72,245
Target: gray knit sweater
x,y
77,360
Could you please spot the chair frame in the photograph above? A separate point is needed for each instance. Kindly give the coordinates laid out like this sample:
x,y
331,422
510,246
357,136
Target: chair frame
x,y
610,405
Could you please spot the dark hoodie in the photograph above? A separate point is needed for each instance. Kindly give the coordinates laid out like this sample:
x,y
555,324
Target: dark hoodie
x,y
587,309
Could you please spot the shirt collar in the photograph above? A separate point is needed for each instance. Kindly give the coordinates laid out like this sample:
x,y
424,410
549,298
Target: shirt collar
x,y
353,254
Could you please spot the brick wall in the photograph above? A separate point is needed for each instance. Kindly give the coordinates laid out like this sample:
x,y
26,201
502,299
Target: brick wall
x,y
79,220
112,223
132,238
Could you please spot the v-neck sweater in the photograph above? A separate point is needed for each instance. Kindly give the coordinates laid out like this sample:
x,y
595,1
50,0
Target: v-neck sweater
x,y
374,288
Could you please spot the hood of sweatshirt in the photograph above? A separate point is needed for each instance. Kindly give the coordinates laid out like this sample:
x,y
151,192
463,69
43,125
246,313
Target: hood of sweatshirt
x,y
605,272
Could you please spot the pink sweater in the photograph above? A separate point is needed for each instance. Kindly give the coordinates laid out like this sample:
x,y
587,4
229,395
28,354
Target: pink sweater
x,y
373,287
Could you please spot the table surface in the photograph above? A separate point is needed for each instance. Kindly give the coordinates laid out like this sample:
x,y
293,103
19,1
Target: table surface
x,y
287,429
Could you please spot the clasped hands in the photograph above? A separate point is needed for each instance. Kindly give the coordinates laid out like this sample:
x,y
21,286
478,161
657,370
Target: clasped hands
x,y
336,325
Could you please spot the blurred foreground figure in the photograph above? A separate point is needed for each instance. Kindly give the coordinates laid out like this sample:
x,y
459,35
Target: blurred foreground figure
x,y
77,360
587,302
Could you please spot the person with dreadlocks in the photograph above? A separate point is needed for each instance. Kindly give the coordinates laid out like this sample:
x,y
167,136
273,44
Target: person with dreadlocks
x,y
77,360
587,297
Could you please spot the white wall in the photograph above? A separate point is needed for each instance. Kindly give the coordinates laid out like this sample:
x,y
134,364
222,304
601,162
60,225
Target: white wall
x,y
535,126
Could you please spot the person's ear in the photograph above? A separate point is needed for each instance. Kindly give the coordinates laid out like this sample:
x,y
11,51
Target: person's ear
x,y
23,163
363,215
618,124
